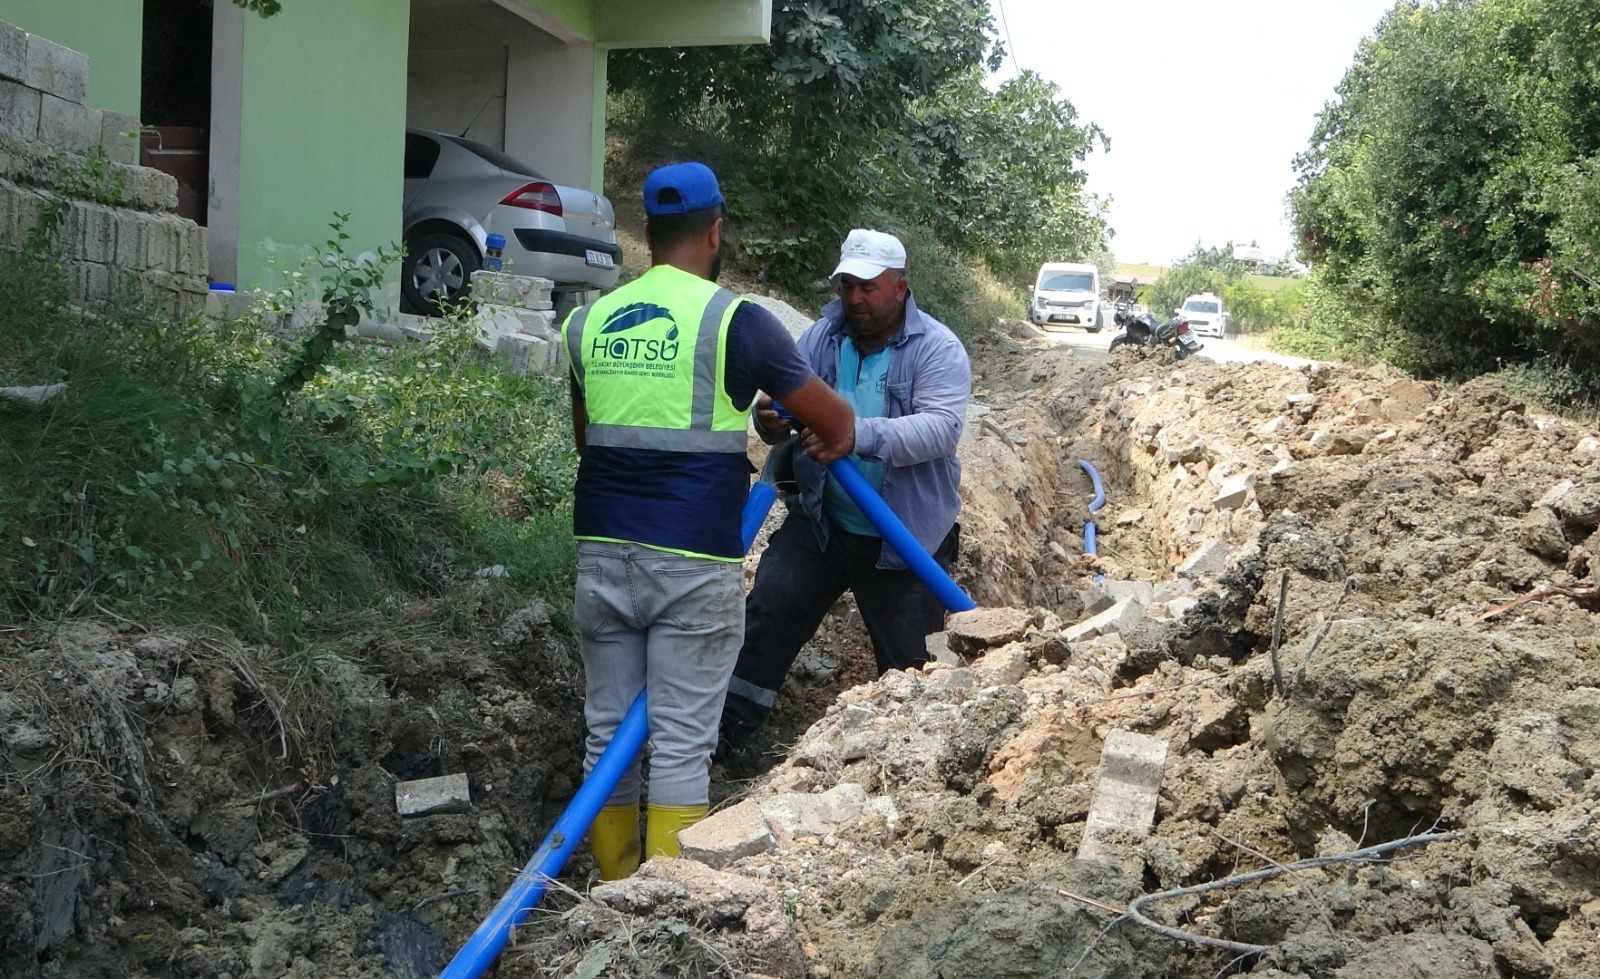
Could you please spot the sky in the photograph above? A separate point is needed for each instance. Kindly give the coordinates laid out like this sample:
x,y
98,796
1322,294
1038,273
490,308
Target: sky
x,y
1205,103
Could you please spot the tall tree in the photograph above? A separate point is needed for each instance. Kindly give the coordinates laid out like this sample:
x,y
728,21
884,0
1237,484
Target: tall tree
x,y
1451,174
860,107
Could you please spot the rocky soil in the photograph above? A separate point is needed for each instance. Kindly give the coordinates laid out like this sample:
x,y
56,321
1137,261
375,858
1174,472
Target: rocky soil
x,y
1351,609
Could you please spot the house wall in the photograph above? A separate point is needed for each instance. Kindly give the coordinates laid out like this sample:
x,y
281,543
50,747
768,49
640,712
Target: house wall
x,y
484,72
320,109
110,36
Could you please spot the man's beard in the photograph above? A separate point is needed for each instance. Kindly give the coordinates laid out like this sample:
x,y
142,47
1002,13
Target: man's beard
x,y
716,260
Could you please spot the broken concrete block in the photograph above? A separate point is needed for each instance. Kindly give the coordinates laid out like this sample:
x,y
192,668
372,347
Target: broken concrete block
x,y
19,110
56,70
119,134
1207,562
1142,592
728,835
430,796
13,52
1234,492
1001,667
938,645
1124,806
67,126
506,289
1301,399
976,630
1178,606
1166,591
820,815
1341,443
1119,618
527,354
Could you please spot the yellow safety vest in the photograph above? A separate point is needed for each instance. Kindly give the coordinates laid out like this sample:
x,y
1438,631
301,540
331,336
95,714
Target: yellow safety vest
x,y
650,359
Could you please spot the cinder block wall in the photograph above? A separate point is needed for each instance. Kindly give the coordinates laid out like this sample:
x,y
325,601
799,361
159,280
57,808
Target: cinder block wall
x,y
121,234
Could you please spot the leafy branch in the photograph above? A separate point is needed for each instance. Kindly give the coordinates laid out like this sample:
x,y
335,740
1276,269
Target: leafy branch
x,y
346,294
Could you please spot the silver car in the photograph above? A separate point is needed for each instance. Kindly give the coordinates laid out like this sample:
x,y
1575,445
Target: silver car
x,y
458,192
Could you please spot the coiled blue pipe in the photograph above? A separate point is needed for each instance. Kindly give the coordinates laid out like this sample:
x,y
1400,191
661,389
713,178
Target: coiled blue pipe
x,y
524,895
1090,531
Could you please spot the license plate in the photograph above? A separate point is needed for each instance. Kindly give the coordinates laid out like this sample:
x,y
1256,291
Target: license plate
x,y
600,260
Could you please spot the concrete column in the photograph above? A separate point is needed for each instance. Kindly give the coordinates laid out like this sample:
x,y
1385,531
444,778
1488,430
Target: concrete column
x,y
550,89
227,106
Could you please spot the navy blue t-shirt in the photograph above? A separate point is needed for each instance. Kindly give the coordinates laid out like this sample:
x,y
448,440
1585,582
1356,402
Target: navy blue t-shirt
x,y
690,501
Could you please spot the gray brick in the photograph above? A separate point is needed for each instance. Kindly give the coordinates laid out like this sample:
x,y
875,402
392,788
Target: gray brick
x,y
24,213
56,70
68,126
99,229
71,239
13,52
19,110
99,282
114,129
147,189
131,239
192,257
161,247
427,796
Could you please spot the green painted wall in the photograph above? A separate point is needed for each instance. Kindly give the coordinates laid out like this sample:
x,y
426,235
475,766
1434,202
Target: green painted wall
x,y
112,37
322,129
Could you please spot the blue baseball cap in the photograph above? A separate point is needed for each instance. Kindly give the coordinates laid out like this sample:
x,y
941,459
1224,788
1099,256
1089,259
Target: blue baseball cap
x,y
679,188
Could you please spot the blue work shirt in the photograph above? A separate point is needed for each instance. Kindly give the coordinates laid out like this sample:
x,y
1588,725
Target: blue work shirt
x,y
928,385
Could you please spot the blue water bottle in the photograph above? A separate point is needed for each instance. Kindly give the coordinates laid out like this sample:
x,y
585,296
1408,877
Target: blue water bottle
x,y
494,247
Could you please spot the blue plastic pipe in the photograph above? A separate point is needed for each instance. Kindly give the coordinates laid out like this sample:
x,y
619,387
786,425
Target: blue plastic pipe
x,y
755,511
1090,531
524,895
486,943
895,533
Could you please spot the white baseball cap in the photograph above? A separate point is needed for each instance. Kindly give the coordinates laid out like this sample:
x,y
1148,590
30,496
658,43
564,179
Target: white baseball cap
x,y
868,254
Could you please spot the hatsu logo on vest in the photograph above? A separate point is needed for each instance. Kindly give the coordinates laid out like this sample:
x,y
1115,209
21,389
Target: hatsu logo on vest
x,y
648,344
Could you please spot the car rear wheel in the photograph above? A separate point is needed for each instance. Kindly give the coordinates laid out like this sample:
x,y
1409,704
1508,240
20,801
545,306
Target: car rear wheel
x,y
437,271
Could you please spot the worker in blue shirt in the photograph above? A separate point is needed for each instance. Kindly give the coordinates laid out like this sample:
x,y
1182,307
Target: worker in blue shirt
x,y
909,380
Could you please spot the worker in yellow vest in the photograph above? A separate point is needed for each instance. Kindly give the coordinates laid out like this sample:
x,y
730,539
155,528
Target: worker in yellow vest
x,y
664,372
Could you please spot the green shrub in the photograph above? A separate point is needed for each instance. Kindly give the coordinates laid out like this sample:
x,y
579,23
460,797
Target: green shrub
x,y
170,480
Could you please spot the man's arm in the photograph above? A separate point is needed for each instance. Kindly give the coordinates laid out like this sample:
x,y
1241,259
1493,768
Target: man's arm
x,y
830,424
580,417
942,389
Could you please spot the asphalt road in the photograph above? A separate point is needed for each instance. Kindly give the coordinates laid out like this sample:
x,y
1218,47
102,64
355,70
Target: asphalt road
x,y
1094,345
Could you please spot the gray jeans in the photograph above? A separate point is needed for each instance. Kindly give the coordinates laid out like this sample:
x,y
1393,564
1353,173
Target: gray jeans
x,y
669,624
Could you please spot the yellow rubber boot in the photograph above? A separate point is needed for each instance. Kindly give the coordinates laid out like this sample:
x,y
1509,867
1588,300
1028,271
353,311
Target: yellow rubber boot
x,y
662,824
614,838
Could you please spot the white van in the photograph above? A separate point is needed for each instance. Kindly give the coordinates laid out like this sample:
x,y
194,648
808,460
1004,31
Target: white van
x,y
1067,292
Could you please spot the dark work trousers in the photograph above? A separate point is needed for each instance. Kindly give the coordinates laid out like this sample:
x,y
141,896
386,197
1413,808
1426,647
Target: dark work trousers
x,y
797,582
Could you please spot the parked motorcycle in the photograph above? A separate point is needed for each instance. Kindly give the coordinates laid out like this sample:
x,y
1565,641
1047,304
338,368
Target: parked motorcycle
x,y
1142,330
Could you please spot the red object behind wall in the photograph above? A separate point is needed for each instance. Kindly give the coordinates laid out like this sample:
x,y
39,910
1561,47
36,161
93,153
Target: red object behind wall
x,y
185,153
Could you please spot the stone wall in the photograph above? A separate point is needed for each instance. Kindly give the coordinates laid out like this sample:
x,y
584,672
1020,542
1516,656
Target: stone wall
x,y
121,236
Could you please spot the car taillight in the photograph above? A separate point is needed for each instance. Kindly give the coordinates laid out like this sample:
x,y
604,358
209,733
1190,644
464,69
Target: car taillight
x,y
536,197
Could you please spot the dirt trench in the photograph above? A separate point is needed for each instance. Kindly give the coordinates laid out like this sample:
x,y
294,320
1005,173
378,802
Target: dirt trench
x,y
178,806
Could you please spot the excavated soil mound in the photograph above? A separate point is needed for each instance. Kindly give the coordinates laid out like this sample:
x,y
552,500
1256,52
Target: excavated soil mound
x,y
1341,608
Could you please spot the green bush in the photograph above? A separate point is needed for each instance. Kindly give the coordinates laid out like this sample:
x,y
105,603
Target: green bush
x,y
170,480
